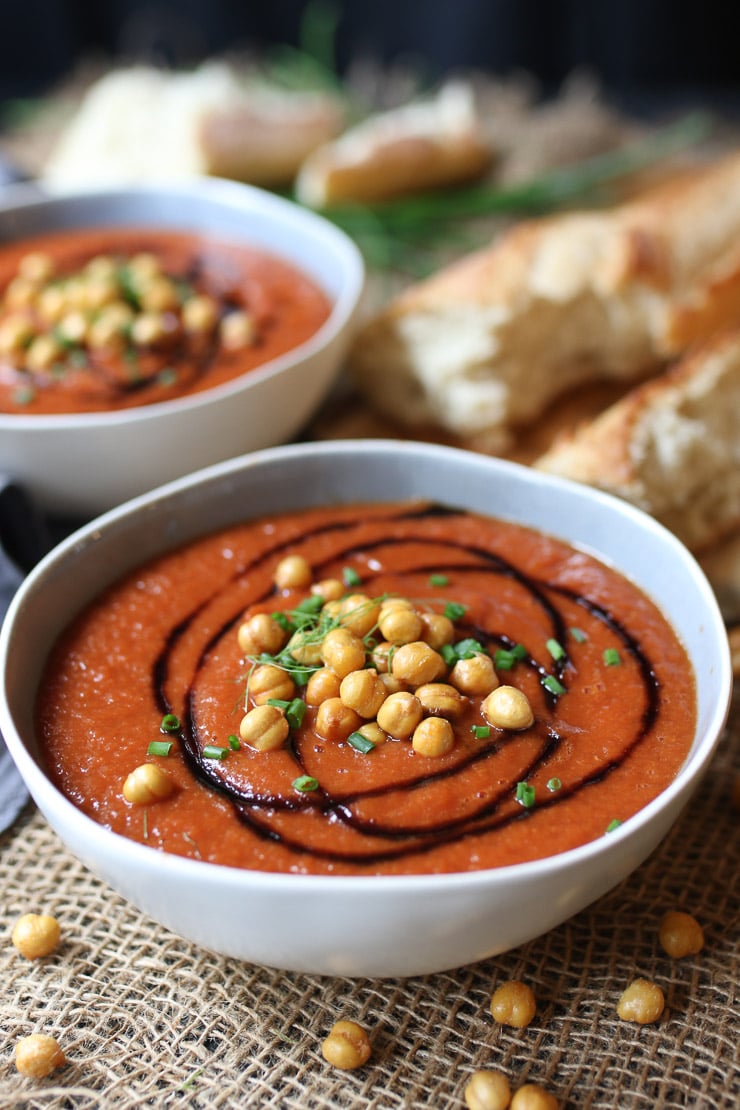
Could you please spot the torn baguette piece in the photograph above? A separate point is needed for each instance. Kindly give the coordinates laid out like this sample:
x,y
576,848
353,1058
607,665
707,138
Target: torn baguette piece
x,y
423,145
670,446
487,344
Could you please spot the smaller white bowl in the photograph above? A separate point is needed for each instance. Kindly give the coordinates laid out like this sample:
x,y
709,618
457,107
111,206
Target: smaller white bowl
x,y
364,925
82,464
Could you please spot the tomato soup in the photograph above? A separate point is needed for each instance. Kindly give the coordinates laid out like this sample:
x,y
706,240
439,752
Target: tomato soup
x,y
511,697
95,320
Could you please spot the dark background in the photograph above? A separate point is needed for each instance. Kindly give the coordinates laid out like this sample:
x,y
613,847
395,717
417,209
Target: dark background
x,y
640,50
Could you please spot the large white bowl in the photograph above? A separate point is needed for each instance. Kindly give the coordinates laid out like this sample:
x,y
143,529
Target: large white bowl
x,y
360,926
85,463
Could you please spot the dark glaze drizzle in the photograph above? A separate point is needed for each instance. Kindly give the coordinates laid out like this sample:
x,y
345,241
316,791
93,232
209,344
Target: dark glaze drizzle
x,y
257,810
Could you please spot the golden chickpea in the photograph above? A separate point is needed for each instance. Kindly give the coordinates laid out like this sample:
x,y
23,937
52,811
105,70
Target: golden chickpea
x,y
109,328
267,681
36,267
322,684
642,1002
15,333
436,630
260,633
487,1090
73,326
38,1055
20,293
238,329
532,1096
331,609
331,589
358,613
148,328
264,728
146,784
372,731
143,267
36,935
363,691
433,737
343,651
101,268
400,625
96,293
347,1046
389,603
680,934
392,685
417,663
335,720
305,648
200,314
513,1003
507,707
293,573
441,700
400,714
475,676
379,656
42,353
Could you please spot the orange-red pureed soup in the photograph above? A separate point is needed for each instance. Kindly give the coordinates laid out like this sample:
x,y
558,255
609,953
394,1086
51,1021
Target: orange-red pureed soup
x,y
610,688
108,319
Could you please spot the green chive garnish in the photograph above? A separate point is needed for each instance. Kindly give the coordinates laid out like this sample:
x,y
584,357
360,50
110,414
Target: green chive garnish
x,y
295,712
212,751
578,635
438,580
453,610
449,654
312,604
481,732
466,649
279,703
557,651
159,747
360,743
552,685
350,577
613,825
519,651
503,660
612,658
283,621
170,723
24,394
234,742
305,783
524,794
553,785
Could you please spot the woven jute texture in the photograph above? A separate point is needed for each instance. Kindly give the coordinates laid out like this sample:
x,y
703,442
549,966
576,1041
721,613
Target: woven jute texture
x,y
148,1020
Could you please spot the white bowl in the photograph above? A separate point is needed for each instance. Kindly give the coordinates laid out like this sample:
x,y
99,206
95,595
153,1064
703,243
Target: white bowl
x,y
85,463
360,926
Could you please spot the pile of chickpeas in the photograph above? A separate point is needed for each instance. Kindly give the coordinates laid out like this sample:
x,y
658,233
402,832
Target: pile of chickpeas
x,y
110,305
376,671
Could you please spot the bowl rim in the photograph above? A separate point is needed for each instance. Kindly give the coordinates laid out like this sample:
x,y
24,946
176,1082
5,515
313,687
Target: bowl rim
x,y
139,855
239,195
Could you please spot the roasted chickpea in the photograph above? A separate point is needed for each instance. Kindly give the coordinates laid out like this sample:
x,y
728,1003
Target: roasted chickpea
x,y
322,684
42,353
101,268
238,329
487,1090
264,728
146,784
335,720
433,737
261,633
96,293
399,714
400,625
533,1097
358,613
363,691
507,707
143,267
73,327
36,267
109,327
331,589
148,328
643,1002
200,314
372,731
36,935
343,651
293,573
441,700
680,934
347,1046
513,1003
267,681
380,656
417,663
305,648
20,293
436,630
38,1055
15,333
475,676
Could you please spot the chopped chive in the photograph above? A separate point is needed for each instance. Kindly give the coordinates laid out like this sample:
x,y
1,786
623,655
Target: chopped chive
x,y
453,610
524,794
503,659
350,577
578,635
159,747
466,649
612,658
24,394
519,651
312,604
481,732
553,785
167,376
283,620
551,684
557,651
438,580
170,723
449,654
212,751
360,743
305,783
613,825
295,712
234,742
279,703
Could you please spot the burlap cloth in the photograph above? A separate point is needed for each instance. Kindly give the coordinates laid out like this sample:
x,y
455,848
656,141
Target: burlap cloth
x,y
149,1020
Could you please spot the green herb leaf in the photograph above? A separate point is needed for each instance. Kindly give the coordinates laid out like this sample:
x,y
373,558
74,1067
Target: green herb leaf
x,y
481,732
612,825
453,610
350,577
612,658
360,743
525,794
466,649
449,654
295,712
305,783
170,723
553,785
557,651
159,747
212,751
578,635
438,580
552,685
234,742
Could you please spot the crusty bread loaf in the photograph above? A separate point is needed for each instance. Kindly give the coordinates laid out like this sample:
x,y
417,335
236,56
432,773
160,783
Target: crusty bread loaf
x,y
141,123
487,344
670,446
423,145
